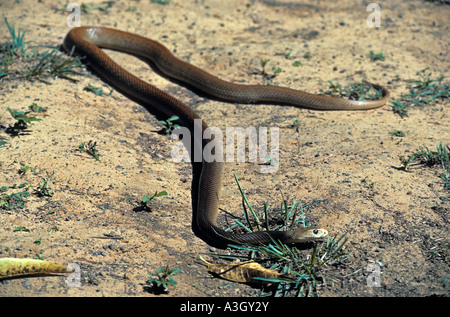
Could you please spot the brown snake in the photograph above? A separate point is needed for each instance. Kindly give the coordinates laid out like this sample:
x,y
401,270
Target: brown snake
x,y
207,176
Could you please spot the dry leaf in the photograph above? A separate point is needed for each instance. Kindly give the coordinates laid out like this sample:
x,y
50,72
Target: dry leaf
x,y
244,272
11,267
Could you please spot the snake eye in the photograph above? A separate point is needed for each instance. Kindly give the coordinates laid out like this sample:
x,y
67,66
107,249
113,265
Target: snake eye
x,y
316,231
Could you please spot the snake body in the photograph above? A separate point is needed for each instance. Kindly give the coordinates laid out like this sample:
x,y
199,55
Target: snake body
x,y
207,176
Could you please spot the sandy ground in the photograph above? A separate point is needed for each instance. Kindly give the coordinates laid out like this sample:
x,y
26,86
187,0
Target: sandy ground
x,y
348,159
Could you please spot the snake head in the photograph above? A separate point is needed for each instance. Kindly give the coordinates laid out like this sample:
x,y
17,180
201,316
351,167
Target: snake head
x,y
306,235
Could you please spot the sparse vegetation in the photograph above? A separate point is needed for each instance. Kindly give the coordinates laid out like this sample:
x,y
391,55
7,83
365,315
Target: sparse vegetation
x,y
423,92
20,61
43,188
161,1
14,200
98,91
23,119
162,279
355,91
431,158
90,148
306,271
105,7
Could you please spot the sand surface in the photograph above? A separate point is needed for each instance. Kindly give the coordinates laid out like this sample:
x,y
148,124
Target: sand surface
x,y
397,219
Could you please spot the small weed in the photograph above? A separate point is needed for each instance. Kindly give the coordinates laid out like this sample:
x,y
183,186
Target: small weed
x,y
43,189
377,57
22,121
86,9
98,91
90,148
52,64
431,158
169,125
423,92
20,61
398,107
161,1
39,257
290,54
397,133
14,200
25,169
355,91
21,228
34,107
17,45
275,70
263,64
146,199
368,184
406,161
162,279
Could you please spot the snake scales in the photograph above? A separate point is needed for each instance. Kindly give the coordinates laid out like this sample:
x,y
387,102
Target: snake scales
x,y
207,176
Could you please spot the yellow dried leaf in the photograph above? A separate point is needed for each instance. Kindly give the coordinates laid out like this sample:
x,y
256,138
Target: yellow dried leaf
x,y
12,267
243,272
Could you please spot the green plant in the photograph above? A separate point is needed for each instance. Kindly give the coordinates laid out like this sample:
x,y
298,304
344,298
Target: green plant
x,y
275,70
355,91
397,133
431,158
17,44
161,1
146,199
398,107
422,92
21,228
14,200
377,57
22,121
86,8
24,169
19,61
169,124
162,279
90,148
52,64
39,257
98,91
43,188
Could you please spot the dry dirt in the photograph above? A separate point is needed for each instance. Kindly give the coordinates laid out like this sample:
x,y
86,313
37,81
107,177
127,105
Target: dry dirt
x,y
348,159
